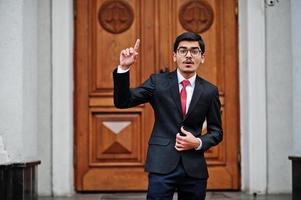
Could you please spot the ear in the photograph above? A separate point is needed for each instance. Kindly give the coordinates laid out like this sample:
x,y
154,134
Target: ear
x,y
203,59
174,57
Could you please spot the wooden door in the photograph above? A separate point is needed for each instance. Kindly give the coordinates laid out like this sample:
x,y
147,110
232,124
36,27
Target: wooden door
x,y
110,144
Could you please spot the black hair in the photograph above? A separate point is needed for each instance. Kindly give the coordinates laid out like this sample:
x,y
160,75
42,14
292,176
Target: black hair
x,y
189,36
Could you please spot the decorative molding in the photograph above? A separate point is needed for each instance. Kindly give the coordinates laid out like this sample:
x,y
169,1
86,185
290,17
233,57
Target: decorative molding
x,y
116,127
196,16
116,16
116,148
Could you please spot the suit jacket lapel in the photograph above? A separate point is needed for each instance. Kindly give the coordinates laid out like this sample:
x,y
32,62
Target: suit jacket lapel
x,y
195,96
174,90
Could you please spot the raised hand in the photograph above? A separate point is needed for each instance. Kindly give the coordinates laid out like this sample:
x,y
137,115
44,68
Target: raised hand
x,y
128,56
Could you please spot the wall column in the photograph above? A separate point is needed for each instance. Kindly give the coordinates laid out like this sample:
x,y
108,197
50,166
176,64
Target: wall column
x,y
62,97
252,44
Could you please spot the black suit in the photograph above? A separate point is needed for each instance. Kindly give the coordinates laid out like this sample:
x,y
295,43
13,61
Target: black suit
x,y
162,92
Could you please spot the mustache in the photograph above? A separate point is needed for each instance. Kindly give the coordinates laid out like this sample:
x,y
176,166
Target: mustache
x,y
188,61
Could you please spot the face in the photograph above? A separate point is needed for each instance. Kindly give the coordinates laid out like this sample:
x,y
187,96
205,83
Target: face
x,y
189,63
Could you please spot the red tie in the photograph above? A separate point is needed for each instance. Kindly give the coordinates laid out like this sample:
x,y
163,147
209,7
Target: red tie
x,y
183,94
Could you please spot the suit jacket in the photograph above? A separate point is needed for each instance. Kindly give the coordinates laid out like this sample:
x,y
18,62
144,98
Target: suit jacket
x,y
162,92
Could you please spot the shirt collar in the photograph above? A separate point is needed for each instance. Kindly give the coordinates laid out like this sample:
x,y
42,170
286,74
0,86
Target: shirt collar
x,y
181,78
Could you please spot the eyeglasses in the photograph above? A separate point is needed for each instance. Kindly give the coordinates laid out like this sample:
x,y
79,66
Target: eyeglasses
x,y
193,51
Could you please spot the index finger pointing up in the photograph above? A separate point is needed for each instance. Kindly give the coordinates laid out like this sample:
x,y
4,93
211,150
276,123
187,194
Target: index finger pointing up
x,y
136,47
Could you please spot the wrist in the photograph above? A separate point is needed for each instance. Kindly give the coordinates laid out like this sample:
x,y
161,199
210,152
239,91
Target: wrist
x,y
199,146
121,70
124,67
196,143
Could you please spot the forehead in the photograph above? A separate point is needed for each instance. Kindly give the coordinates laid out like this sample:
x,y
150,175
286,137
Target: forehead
x,y
189,44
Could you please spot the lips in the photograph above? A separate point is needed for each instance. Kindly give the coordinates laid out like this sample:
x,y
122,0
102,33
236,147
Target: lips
x,y
188,62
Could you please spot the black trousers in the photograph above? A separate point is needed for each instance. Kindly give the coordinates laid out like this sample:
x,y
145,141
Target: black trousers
x,y
163,186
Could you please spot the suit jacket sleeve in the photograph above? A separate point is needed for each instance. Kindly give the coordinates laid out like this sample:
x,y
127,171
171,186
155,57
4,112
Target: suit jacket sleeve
x,y
124,97
214,133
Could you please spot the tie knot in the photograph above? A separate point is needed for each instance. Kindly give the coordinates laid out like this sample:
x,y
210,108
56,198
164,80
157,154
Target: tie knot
x,y
185,83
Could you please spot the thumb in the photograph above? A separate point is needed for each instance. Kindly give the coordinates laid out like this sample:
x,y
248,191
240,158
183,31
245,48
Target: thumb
x,y
184,131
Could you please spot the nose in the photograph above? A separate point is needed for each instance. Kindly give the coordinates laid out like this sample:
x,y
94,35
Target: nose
x,y
188,54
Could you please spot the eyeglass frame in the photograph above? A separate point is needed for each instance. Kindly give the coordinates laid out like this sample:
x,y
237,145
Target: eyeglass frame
x,y
189,49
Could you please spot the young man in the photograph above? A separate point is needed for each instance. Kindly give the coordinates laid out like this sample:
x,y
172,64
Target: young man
x,y
182,101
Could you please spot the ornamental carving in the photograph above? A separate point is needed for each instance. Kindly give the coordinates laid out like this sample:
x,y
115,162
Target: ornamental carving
x,y
115,16
196,16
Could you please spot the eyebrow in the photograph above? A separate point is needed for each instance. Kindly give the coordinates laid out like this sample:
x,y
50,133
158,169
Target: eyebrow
x,y
189,48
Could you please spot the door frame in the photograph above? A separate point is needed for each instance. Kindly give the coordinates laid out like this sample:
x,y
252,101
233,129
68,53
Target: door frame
x,y
231,88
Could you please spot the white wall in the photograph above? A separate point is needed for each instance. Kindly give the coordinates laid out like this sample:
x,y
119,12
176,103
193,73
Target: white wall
x,y
36,80
252,72
11,77
44,104
30,56
265,31
25,84
62,97
18,55
279,96
296,63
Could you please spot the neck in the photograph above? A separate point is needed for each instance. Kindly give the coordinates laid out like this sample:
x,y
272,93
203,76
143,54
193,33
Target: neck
x,y
187,75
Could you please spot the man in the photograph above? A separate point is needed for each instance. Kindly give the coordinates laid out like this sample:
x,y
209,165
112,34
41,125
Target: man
x,y
181,101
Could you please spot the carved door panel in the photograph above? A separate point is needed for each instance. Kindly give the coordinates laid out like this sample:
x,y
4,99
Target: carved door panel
x,y
110,143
